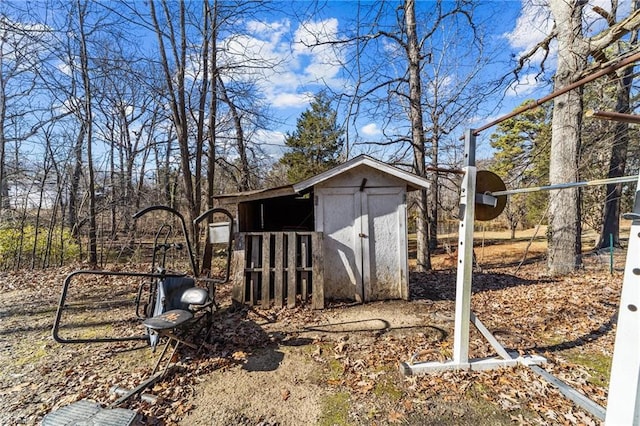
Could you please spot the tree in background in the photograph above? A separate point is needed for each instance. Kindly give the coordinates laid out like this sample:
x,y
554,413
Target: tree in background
x,y
522,145
574,51
316,144
622,80
415,67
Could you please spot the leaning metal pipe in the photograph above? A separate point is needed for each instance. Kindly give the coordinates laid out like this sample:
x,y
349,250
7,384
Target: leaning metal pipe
x,y
604,71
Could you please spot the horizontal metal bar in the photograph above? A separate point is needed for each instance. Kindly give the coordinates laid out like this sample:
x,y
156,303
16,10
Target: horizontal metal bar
x,y
579,399
614,116
62,304
623,62
486,199
596,182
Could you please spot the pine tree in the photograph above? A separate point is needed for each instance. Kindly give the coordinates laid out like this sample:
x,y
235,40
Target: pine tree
x,y
316,144
522,145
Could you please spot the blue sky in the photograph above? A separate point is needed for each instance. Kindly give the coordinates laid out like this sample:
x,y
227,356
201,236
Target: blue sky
x,y
302,71
513,27
282,34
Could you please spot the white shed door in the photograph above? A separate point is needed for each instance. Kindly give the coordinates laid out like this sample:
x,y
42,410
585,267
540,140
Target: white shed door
x,y
384,215
364,242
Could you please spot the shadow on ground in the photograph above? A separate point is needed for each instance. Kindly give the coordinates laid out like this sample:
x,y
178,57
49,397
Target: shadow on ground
x,y
441,285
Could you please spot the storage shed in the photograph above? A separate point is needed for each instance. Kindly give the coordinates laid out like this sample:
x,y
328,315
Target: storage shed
x,y
341,234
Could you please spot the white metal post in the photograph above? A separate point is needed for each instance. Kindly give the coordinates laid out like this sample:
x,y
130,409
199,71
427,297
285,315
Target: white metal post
x,y
623,405
464,275
463,316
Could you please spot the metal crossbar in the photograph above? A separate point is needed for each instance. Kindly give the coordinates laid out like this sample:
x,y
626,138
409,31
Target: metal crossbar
x,y
623,405
595,182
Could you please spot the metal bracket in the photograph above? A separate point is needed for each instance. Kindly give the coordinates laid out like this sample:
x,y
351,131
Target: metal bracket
x,y
486,200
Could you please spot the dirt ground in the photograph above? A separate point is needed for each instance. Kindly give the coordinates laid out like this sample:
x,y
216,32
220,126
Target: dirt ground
x,y
337,366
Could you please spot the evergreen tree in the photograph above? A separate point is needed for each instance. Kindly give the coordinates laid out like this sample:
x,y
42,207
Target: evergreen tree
x,y
316,144
522,145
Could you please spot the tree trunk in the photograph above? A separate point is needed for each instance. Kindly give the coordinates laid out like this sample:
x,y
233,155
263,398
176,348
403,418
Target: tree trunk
x,y
417,135
617,163
564,212
86,81
174,71
433,196
72,216
212,12
244,183
4,185
618,158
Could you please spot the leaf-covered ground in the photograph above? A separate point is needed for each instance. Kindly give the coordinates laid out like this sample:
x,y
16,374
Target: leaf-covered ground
x,y
335,366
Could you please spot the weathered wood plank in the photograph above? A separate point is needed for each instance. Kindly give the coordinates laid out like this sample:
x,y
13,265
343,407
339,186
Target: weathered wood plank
x,y
278,273
291,270
317,277
238,293
266,278
254,262
256,274
304,276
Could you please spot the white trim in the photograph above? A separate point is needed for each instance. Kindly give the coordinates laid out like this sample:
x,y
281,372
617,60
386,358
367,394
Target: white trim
x,y
416,181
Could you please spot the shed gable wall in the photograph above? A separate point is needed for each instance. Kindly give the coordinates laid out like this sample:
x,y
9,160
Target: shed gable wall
x,y
353,178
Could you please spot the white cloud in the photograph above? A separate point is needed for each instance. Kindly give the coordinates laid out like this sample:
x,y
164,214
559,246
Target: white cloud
x,y
532,26
525,85
290,100
536,22
314,32
270,137
371,129
319,62
293,65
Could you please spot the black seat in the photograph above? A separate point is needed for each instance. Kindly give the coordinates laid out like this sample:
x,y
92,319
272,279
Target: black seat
x,y
168,320
186,302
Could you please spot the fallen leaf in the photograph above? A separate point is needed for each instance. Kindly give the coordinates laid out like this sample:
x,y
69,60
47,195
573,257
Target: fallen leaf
x,y
285,394
395,417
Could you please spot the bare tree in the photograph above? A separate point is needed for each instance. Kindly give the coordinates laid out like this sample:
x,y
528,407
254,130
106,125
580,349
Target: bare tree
x,y
623,80
417,95
574,49
20,54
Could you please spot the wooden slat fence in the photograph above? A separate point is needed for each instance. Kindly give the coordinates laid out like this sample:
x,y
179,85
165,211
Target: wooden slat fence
x,y
278,268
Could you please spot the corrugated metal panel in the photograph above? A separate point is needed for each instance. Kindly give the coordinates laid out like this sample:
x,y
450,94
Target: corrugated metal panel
x,y
89,413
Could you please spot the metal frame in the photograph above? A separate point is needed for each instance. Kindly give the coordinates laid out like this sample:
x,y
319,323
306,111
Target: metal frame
x,y
157,274
595,182
463,315
623,406
63,297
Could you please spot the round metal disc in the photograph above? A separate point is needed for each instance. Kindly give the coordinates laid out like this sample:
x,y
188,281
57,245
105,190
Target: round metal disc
x,y
487,181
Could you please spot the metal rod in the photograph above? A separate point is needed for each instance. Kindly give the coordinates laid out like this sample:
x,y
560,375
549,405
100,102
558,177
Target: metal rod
x,y
596,182
579,399
624,62
464,273
615,116
445,170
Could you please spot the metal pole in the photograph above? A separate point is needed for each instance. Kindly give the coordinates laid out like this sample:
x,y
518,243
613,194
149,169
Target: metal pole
x,y
604,71
623,405
614,116
611,254
465,256
596,182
